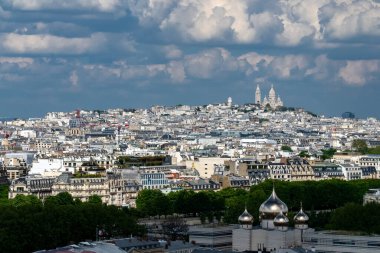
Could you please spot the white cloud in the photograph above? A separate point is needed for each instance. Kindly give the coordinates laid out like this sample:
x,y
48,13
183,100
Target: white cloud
x,y
49,44
359,72
21,62
210,62
256,60
176,71
283,22
289,66
172,52
283,67
219,20
34,5
351,18
151,12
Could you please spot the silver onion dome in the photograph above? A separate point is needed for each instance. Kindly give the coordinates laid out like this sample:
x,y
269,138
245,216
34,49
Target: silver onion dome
x,y
245,218
301,217
272,207
281,220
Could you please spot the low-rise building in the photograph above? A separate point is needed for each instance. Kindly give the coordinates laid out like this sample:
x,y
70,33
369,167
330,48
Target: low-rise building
x,y
327,171
31,185
212,236
134,245
372,195
82,188
232,181
351,171
202,184
154,180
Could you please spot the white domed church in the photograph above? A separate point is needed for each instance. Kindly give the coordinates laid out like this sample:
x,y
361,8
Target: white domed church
x,y
273,233
272,100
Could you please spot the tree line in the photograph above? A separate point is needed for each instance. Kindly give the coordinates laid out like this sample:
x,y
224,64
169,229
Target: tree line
x,y
27,224
188,203
319,199
356,217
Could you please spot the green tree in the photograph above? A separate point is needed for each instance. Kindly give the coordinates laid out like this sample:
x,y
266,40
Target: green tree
x,y
328,153
374,151
181,201
360,146
153,202
234,207
21,200
27,226
286,148
62,198
304,153
95,199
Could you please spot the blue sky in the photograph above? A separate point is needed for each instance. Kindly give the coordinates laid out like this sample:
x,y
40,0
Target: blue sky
x,y
95,54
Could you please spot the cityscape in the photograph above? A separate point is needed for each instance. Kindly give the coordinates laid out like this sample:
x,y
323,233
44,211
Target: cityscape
x,y
120,157
189,126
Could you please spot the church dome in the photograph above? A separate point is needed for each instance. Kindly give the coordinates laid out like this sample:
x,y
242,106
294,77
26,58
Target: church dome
x,y
245,218
281,220
272,207
301,217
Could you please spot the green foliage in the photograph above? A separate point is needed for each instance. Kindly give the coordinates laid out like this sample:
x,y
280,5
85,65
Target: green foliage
x,y
286,148
153,202
128,161
22,200
82,175
311,113
4,194
374,151
267,108
316,195
26,225
95,199
319,220
356,217
360,146
262,120
328,153
304,153
319,198
61,199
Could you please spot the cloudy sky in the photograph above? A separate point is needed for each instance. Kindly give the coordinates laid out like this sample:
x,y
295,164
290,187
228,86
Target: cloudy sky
x,y
59,55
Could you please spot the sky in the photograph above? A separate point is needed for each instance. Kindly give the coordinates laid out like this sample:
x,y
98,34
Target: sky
x,y
60,55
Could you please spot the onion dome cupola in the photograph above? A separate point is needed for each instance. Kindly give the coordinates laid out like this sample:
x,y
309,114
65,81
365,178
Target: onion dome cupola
x,y
246,220
281,222
301,219
272,207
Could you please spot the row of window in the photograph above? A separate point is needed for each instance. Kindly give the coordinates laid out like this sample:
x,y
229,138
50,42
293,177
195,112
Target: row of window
x,y
154,182
153,176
